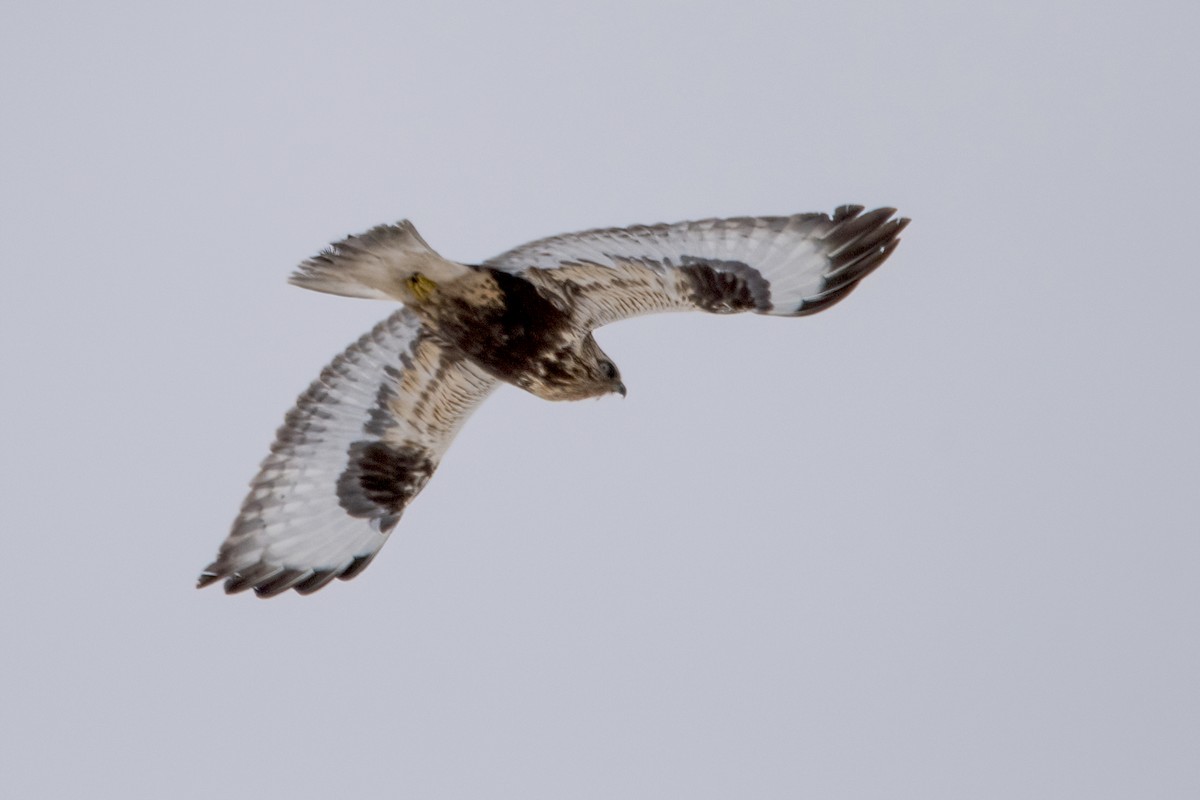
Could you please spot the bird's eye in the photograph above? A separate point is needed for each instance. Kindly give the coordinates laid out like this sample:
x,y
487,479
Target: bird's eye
x,y
609,369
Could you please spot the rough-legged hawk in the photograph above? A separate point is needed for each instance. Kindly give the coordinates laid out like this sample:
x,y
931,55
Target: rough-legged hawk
x,y
366,436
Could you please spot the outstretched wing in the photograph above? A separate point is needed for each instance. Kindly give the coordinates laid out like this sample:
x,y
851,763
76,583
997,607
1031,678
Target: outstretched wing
x,y
789,266
352,453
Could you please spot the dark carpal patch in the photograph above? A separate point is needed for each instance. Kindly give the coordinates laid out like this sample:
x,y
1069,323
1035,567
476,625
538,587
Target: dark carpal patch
x,y
725,287
379,481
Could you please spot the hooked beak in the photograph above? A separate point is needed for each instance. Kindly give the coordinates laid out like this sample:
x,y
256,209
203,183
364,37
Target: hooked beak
x,y
620,389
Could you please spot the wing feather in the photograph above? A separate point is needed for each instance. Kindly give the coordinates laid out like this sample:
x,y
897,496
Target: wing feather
x,y
359,444
786,266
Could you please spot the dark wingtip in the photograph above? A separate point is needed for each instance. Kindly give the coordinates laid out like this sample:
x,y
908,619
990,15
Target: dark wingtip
x,y
271,581
858,244
356,566
207,579
316,581
281,582
259,574
849,211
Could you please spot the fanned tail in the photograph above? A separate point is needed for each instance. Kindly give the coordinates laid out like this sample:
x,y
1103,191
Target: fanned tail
x,y
374,265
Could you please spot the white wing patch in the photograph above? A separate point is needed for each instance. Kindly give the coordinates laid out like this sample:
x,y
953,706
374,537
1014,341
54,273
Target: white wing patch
x,y
366,436
786,266
359,444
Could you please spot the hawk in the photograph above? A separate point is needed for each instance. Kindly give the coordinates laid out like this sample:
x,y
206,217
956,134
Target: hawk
x,y
366,436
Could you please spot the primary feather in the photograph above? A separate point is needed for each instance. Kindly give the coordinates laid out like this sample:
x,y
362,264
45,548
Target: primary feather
x,y
365,437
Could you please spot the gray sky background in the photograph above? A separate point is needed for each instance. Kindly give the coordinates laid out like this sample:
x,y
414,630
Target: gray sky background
x,y
940,542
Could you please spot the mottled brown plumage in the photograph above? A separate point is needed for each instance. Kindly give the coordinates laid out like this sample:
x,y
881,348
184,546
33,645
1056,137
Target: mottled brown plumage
x,y
364,439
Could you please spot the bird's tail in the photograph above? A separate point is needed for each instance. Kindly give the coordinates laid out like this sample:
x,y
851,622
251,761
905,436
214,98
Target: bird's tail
x,y
374,265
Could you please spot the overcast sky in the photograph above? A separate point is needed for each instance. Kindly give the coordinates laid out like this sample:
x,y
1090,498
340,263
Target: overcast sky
x,y
939,542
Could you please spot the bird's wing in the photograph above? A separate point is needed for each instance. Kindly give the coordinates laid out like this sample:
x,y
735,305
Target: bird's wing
x,y
789,266
352,453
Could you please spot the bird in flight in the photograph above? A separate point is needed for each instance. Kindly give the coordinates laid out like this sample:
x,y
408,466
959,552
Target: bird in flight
x,y
366,436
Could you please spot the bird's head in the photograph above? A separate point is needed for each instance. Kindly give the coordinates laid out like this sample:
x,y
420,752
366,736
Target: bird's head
x,y
576,371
